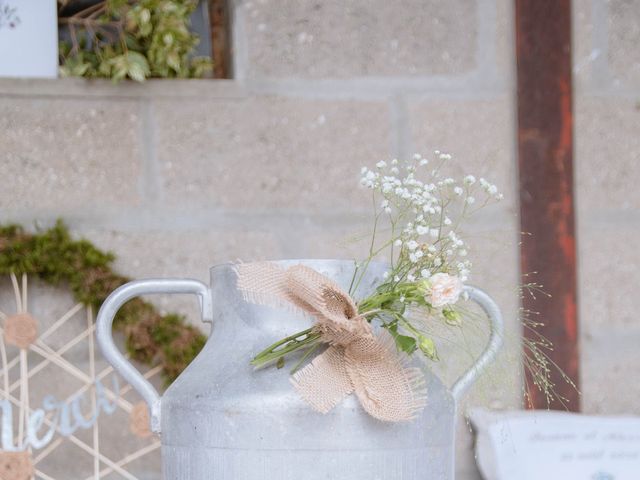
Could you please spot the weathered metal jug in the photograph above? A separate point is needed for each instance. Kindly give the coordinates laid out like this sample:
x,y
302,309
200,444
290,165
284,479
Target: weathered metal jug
x,y
221,420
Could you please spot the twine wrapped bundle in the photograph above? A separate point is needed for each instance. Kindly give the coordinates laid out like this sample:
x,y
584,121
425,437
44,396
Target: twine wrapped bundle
x,y
356,361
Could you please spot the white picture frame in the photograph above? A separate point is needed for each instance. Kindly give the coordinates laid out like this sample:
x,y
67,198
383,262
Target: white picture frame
x,y
538,444
28,38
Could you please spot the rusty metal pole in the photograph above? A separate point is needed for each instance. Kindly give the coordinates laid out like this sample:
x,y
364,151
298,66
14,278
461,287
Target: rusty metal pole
x,y
545,151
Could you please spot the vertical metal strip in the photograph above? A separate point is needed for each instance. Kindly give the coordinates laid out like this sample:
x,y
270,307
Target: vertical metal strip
x,y
220,21
545,156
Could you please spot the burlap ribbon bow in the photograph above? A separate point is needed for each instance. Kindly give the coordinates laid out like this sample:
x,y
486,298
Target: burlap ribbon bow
x,y
356,361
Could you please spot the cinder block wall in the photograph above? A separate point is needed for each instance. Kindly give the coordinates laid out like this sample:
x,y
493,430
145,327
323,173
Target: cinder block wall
x,y
175,176
607,167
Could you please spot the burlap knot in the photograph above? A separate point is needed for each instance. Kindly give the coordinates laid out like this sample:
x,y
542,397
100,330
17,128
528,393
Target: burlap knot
x,y
16,466
139,423
356,361
20,330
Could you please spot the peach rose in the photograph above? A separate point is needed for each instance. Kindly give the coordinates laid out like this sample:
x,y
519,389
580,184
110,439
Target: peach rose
x,y
445,289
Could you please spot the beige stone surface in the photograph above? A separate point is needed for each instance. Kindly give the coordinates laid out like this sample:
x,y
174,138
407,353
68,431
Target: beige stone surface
x,y
624,37
477,133
607,146
586,56
332,39
504,39
610,369
67,153
268,152
609,260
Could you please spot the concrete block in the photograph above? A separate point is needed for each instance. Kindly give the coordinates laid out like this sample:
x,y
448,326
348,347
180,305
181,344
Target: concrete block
x,y
609,260
505,38
589,59
607,139
610,366
67,153
624,37
269,153
477,133
334,39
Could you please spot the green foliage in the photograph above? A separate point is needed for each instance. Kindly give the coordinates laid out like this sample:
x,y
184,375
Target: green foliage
x,y
139,39
58,259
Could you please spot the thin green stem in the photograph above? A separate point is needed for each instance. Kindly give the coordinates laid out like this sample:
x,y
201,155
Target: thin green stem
x,y
306,355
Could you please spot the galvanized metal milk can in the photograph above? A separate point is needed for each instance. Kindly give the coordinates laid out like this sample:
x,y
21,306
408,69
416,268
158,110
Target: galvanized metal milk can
x,y
221,420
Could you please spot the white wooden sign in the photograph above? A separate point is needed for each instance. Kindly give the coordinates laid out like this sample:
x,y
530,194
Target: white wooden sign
x,y
28,38
556,445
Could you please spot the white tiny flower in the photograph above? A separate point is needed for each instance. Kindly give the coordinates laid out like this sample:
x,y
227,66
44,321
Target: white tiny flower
x,y
413,257
422,230
458,191
402,299
396,278
381,164
470,200
437,262
385,275
434,232
398,243
363,170
412,245
469,180
394,161
424,162
447,221
432,248
424,273
411,278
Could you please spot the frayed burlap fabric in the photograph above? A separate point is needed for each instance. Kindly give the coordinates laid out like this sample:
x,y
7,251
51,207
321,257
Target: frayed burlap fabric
x,y
356,360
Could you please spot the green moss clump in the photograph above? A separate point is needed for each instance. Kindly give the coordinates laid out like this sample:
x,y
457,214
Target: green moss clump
x,y
58,259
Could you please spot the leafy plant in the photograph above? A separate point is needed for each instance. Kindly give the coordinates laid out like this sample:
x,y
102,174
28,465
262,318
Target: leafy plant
x,y
58,259
138,39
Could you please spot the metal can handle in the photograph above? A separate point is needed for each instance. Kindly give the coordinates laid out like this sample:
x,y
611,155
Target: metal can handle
x,y
491,350
104,322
